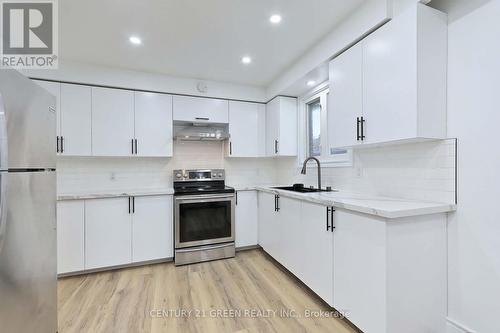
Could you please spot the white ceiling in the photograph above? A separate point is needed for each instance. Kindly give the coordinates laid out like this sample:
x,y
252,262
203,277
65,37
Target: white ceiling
x,y
202,39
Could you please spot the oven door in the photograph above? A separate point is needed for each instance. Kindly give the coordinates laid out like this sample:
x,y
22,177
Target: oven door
x,y
203,220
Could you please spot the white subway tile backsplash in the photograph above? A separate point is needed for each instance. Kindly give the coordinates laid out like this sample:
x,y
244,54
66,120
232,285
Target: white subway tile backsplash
x,y
422,171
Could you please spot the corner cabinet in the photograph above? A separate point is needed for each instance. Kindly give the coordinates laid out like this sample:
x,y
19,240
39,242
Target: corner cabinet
x,y
281,127
247,123
74,114
391,86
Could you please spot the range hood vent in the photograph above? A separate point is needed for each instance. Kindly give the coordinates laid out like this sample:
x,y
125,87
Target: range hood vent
x,y
201,132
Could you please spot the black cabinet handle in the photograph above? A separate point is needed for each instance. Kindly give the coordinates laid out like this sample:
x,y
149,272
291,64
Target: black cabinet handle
x,y
277,203
57,144
62,144
275,146
133,205
230,148
362,121
135,144
202,118
236,201
274,202
132,146
129,205
357,128
327,218
331,219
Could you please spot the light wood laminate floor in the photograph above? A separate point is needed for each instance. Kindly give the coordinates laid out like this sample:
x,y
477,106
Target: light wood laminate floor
x,y
145,299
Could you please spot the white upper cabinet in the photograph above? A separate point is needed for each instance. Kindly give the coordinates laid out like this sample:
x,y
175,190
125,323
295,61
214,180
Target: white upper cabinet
x,y
112,122
403,82
76,115
153,124
199,109
247,123
281,127
55,89
345,100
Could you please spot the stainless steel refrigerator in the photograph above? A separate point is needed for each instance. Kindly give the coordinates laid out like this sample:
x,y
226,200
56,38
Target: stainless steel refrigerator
x,y
28,278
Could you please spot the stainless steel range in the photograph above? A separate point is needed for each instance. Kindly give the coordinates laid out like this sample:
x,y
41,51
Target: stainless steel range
x,y
203,215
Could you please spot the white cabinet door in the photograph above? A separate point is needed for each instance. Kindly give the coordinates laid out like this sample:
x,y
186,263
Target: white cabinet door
x,y
272,126
153,124
70,236
345,101
55,89
152,228
316,250
108,233
390,80
199,109
267,217
287,139
247,123
289,234
359,269
76,115
281,127
112,122
246,217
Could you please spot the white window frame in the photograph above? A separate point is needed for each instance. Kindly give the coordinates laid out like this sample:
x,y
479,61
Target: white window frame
x,y
327,160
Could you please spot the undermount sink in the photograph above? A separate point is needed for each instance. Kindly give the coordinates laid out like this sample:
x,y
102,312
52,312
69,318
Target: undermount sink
x,y
302,189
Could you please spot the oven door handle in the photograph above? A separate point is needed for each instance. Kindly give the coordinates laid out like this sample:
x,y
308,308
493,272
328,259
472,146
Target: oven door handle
x,y
190,198
208,247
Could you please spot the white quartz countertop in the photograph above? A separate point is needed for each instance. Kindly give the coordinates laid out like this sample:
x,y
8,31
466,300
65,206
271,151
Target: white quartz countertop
x,y
100,195
374,205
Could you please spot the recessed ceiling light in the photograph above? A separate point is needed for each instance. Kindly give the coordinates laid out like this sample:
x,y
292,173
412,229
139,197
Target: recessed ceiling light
x,y
311,83
246,60
135,40
275,19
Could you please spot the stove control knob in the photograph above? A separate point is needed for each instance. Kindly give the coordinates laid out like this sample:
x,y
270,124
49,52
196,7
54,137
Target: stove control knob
x,y
220,175
178,175
214,175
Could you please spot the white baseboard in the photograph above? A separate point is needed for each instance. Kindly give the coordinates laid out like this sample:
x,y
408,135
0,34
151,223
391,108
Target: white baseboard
x,y
453,326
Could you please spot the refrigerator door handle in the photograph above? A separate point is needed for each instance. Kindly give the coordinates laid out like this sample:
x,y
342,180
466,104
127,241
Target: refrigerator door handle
x,y
3,175
3,207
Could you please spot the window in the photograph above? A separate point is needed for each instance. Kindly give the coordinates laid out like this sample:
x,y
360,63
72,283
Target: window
x,y
313,130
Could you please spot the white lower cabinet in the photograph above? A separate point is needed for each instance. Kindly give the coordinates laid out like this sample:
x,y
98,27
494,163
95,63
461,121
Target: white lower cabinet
x,y
108,231
390,274
70,236
386,275
359,274
246,219
152,236
267,221
316,249
100,233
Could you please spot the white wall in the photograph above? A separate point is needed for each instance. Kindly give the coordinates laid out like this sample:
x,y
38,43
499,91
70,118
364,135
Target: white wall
x,y
473,117
116,77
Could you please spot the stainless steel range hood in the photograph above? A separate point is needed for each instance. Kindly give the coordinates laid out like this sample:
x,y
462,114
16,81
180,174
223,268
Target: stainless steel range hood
x,y
200,132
